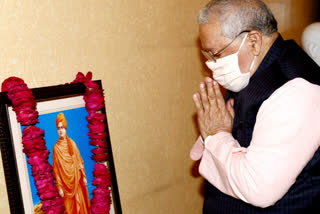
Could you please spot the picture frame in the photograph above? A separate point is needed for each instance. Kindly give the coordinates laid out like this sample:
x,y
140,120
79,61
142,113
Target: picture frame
x,y
51,100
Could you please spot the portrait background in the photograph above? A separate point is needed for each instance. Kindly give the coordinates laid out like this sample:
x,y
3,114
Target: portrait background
x,y
77,131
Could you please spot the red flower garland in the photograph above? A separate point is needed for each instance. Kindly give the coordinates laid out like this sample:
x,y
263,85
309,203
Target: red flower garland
x,y
94,100
24,105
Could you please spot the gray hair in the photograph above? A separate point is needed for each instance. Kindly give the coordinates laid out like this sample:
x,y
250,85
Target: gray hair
x,y
236,16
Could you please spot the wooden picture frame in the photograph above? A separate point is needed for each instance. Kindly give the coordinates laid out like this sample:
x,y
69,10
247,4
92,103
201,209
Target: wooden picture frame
x,y
52,99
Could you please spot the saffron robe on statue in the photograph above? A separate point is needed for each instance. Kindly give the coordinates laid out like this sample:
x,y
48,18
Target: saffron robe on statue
x,y
69,172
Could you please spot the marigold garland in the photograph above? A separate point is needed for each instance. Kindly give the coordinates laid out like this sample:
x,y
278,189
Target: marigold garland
x,y
24,105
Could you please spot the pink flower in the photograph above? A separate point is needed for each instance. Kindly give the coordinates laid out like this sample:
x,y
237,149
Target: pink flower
x,y
23,100
94,106
32,132
81,78
21,94
10,82
94,101
36,160
101,201
101,191
89,75
46,187
42,168
24,108
101,181
43,178
54,205
48,195
100,170
31,142
45,184
97,142
104,175
97,135
32,146
100,167
100,208
56,202
98,150
27,118
100,157
94,95
16,88
33,153
90,84
95,117
96,128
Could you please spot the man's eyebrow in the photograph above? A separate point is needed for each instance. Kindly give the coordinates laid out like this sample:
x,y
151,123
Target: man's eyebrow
x,y
211,50
209,47
206,48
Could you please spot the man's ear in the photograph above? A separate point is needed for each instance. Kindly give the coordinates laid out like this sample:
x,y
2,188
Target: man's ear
x,y
255,39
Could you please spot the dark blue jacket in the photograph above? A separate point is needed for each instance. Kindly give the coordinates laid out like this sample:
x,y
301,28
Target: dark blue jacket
x,y
284,61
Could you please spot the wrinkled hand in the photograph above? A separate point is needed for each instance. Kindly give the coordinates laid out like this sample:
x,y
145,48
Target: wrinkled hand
x,y
214,115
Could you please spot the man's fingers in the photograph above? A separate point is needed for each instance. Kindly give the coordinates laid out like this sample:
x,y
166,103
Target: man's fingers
x,y
197,102
204,96
211,93
230,108
219,97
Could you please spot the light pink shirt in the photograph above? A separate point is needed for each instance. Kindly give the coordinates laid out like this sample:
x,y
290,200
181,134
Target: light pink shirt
x,y
285,137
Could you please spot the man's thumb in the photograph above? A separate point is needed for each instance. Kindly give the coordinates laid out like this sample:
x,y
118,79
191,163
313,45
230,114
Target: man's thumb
x,y
230,108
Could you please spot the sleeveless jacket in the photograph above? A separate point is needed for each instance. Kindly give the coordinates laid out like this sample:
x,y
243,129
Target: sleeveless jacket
x,y
284,61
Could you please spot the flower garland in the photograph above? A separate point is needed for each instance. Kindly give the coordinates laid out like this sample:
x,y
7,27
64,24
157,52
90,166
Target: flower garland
x,y
94,100
24,105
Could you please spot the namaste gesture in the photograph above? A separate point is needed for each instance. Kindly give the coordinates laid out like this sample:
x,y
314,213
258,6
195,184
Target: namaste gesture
x,y
214,115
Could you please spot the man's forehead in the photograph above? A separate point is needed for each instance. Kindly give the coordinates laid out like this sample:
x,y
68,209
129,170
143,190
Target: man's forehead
x,y
210,34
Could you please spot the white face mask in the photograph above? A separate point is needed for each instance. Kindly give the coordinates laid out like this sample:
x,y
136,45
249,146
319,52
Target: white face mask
x,y
227,73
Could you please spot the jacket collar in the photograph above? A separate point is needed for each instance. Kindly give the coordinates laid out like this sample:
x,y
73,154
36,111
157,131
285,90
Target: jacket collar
x,y
274,53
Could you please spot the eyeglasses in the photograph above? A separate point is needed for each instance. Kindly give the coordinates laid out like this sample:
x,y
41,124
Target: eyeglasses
x,y
213,57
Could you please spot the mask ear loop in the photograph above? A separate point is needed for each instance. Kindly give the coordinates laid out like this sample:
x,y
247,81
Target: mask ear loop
x,y
252,63
254,59
242,43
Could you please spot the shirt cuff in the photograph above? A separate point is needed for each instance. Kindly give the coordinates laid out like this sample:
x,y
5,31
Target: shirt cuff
x,y
207,140
197,150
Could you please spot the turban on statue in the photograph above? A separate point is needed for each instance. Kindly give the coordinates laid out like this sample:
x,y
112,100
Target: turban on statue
x,y
61,118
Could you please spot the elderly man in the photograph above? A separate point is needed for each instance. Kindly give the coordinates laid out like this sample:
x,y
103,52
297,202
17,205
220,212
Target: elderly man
x,y
259,150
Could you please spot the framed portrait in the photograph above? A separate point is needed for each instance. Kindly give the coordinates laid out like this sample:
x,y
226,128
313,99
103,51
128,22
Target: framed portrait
x,y
52,102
